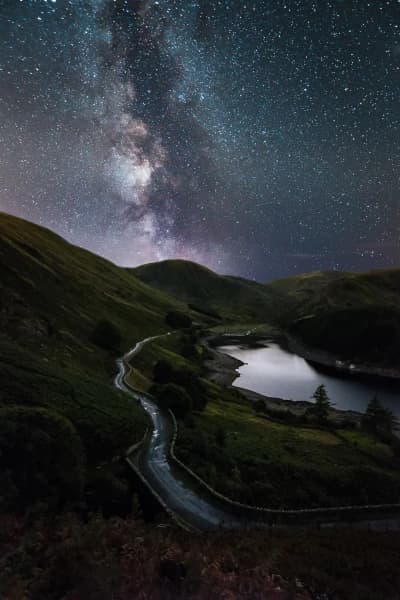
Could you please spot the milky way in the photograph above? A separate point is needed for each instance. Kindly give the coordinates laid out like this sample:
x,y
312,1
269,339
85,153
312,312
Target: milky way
x,y
258,137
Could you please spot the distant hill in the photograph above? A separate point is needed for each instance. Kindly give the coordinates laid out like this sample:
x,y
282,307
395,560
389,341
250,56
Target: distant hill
x,y
354,315
231,297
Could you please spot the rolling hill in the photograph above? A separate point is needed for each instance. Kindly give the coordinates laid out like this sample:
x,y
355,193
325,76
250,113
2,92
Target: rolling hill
x,y
356,316
233,298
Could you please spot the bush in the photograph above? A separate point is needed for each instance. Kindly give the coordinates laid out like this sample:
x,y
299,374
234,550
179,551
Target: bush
x,y
106,335
41,459
174,397
220,437
189,346
164,372
110,494
178,320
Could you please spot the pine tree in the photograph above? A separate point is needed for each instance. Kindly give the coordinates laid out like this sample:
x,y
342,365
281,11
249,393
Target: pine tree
x,y
378,419
322,403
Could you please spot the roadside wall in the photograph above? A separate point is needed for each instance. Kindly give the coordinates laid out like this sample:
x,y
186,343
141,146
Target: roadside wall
x,y
295,516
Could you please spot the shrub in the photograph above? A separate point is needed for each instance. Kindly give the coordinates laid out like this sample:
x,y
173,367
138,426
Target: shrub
x,y
220,437
106,335
164,372
41,459
174,397
178,320
378,420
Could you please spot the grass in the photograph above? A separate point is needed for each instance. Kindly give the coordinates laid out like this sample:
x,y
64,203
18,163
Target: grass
x,y
367,443
266,463
105,420
127,559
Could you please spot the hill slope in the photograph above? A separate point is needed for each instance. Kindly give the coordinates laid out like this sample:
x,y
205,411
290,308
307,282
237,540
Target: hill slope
x,y
231,297
354,315
56,353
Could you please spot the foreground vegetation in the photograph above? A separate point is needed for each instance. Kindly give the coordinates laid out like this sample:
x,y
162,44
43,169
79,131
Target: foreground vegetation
x,y
125,559
264,462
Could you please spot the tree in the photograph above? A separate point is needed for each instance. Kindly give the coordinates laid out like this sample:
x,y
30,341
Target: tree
x,y
174,397
41,459
322,403
106,335
178,320
220,436
377,419
164,372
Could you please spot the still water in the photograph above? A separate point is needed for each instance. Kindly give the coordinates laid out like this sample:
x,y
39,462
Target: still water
x,y
273,371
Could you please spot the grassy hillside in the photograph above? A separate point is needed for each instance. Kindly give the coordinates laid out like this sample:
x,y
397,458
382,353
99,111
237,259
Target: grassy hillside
x,y
53,296
233,298
354,315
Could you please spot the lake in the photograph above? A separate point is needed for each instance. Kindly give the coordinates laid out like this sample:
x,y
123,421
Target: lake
x,y
276,372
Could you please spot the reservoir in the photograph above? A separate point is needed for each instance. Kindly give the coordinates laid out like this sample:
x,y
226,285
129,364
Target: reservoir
x,y
274,371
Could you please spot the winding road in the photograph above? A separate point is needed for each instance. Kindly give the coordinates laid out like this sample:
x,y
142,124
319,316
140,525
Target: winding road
x,y
192,506
192,509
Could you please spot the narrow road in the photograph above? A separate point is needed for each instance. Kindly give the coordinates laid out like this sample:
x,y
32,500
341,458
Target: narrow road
x,y
194,506
195,510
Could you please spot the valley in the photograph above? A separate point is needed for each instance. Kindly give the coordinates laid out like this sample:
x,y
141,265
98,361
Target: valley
x,y
67,316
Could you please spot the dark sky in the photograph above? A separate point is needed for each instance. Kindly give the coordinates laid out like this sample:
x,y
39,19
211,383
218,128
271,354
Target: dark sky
x,y
260,137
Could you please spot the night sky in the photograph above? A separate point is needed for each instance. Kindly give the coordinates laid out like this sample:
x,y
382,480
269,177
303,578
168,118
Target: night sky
x,y
260,138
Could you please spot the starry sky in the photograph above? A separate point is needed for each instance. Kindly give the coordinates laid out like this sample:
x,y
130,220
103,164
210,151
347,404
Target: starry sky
x,y
258,137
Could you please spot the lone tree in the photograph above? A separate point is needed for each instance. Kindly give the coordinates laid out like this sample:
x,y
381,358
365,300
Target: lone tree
x,y
377,419
322,403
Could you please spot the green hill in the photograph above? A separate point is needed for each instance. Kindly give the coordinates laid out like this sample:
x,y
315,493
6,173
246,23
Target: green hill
x,y
233,298
354,315
65,316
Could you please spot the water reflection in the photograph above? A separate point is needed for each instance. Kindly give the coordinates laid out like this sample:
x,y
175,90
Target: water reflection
x,y
273,371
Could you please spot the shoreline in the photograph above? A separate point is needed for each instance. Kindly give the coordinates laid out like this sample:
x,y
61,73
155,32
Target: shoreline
x,y
222,370
344,367
316,356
